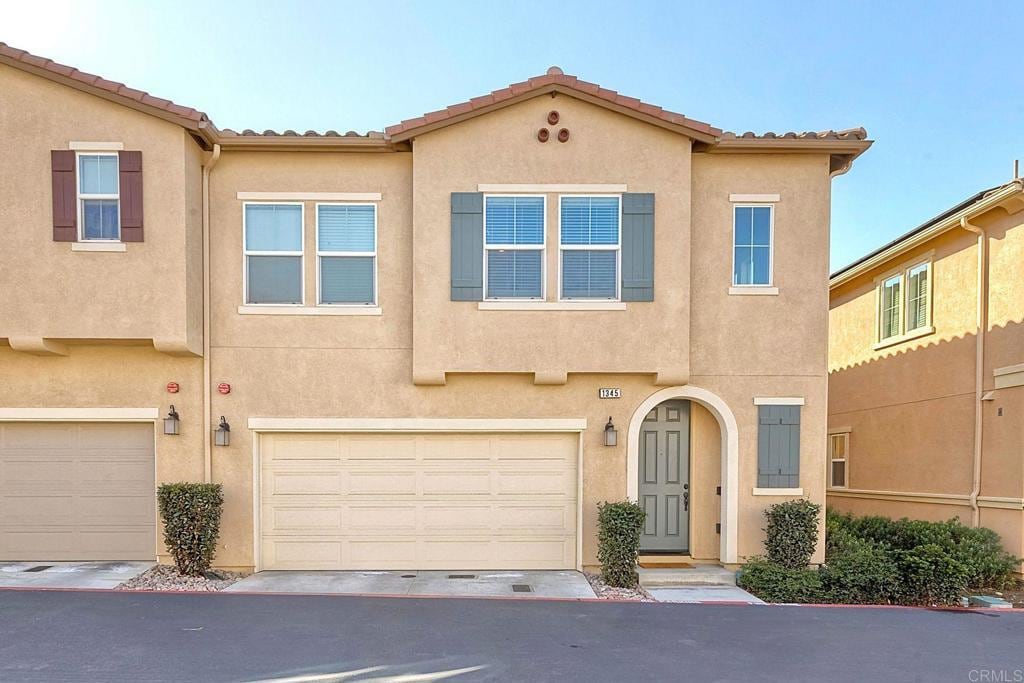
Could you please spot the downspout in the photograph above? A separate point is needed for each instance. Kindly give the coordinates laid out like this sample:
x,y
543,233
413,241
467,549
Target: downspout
x,y
979,363
207,399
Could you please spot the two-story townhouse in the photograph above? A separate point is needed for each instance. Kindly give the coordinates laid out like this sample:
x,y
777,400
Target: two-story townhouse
x,y
439,346
926,362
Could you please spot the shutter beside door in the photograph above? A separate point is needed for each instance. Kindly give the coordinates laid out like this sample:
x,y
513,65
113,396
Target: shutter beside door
x,y
467,268
65,196
638,246
778,447
130,171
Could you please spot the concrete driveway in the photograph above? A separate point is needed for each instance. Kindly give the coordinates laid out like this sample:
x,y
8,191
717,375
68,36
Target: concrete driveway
x,y
69,574
508,584
117,636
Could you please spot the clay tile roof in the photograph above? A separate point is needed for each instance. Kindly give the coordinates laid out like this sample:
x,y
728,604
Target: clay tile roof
x,y
554,79
119,90
845,135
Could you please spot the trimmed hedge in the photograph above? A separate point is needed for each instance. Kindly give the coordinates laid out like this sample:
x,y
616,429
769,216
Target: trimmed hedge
x,y
191,514
876,560
618,541
792,533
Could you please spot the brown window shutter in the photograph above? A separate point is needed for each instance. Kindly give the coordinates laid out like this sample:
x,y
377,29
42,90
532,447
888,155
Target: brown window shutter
x,y
130,169
65,197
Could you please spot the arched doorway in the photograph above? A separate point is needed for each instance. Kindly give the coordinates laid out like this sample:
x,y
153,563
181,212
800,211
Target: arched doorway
x,y
729,454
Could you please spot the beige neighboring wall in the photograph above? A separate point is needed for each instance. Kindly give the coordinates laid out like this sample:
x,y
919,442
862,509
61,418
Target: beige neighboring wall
x,y
38,116
910,406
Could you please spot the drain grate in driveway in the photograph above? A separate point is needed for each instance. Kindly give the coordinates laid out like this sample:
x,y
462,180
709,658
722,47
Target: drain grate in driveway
x,y
522,588
462,576
39,568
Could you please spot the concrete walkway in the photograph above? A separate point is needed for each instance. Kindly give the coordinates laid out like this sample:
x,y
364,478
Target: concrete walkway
x,y
704,594
514,584
69,574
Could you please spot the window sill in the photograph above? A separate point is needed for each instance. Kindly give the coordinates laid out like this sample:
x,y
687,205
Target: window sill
x,y
753,290
892,341
778,492
551,306
98,246
254,309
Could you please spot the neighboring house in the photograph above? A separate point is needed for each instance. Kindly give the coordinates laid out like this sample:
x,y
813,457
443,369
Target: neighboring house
x,y
423,341
926,371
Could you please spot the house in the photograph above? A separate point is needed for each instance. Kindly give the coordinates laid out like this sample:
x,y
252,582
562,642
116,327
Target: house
x,y
438,346
926,371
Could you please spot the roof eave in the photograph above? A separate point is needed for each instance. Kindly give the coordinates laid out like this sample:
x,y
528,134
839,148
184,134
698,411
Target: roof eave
x,y
307,143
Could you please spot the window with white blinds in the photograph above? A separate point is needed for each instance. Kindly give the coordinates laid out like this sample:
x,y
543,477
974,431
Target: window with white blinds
x,y
273,253
904,305
589,247
346,248
514,247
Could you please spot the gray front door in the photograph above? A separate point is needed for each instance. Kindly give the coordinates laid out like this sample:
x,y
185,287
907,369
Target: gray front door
x,y
665,478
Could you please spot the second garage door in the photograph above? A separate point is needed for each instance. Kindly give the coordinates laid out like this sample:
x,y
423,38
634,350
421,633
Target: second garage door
x,y
418,501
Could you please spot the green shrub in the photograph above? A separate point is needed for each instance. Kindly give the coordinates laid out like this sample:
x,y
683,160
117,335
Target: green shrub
x,y
191,515
858,571
618,541
930,576
774,583
792,533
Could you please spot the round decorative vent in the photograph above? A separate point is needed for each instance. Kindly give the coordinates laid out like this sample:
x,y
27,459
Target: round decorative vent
x,y
563,135
543,134
553,117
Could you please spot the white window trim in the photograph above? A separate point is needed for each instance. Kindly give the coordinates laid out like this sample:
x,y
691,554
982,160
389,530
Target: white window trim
x,y
759,198
777,492
770,285
99,245
779,401
753,290
542,247
246,254
551,188
574,305
95,146
80,197
617,248
903,272
287,309
845,460
279,197
320,254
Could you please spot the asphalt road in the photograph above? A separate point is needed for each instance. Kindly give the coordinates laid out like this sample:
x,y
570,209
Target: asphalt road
x,y
112,636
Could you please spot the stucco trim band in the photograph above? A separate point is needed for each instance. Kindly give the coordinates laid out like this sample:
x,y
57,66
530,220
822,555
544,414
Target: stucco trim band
x,y
754,198
551,306
778,400
959,499
551,187
414,424
79,414
730,476
1009,376
309,310
311,196
777,492
96,146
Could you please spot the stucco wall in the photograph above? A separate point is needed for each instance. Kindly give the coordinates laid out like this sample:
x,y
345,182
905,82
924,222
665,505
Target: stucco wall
x,y
63,294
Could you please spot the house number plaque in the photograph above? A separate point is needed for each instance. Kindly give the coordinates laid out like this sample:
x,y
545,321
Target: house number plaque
x,y
609,392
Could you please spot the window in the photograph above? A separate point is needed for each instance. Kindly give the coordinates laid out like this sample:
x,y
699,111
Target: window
x,y
346,249
838,446
903,306
98,197
514,247
589,246
778,446
752,246
273,253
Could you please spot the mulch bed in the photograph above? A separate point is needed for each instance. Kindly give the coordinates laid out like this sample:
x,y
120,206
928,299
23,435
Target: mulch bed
x,y
606,592
166,578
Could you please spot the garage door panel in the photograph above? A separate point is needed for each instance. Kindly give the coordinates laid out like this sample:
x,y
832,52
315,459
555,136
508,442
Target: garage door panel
x,y
313,447
77,491
497,508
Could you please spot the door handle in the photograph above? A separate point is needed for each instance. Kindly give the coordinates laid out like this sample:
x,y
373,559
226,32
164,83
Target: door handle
x,y
686,501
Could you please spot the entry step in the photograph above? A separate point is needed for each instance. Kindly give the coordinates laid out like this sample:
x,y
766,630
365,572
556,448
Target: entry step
x,y
698,575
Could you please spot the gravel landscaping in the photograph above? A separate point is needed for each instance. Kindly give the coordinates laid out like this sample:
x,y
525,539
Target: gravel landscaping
x,y
166,578
606,592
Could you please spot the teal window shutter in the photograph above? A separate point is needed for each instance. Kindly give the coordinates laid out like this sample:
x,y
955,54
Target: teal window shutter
x,y
778,447
638,246
467,267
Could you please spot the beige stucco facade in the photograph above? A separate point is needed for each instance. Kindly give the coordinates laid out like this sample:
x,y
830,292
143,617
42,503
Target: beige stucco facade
x,y
909,407
111,329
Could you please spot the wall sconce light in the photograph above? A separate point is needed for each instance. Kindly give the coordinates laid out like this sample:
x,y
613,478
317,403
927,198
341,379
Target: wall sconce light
x,y
222,437
172,424
611,435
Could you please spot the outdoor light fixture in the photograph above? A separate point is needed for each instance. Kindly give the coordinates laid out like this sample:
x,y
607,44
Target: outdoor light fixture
x,y
171,422
222,437
611,435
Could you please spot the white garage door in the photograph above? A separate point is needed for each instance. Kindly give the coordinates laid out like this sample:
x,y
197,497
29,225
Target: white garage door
x,y
75,491
418,501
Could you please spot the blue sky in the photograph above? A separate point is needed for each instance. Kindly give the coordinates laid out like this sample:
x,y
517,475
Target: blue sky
x,y
938,85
